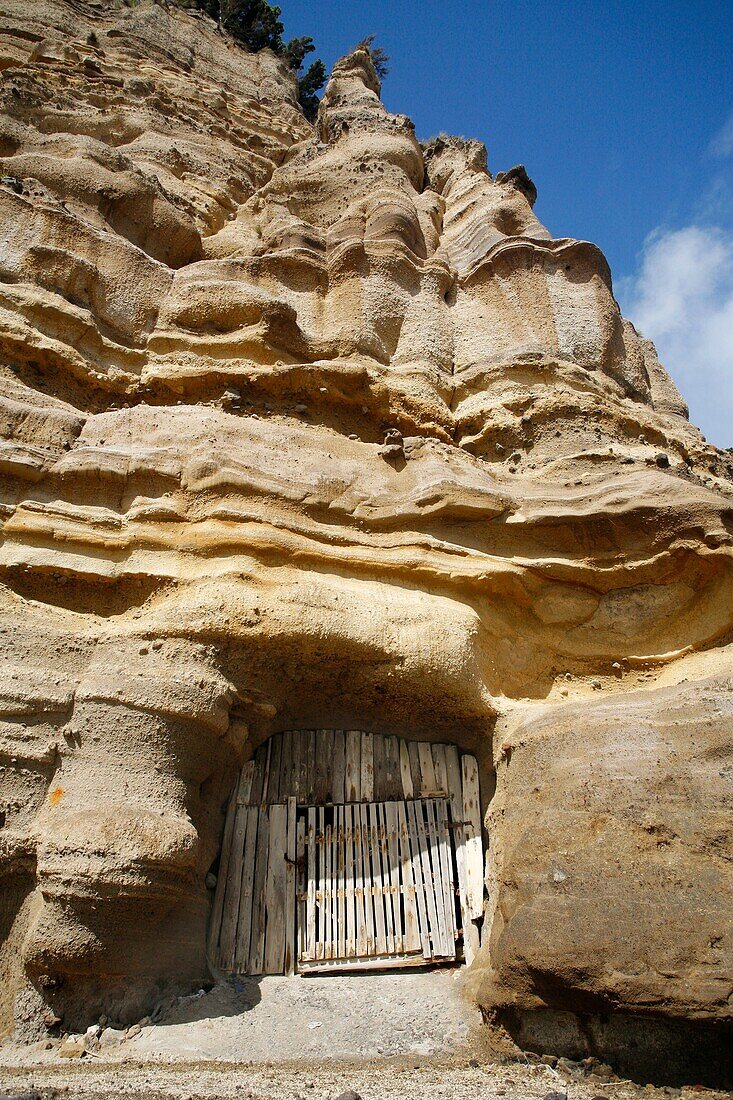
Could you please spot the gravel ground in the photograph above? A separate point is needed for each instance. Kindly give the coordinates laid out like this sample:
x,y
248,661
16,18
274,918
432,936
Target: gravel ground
x,y
435,1078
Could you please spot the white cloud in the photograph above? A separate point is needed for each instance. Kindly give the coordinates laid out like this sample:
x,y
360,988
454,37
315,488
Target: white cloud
x,y
682,298
722,143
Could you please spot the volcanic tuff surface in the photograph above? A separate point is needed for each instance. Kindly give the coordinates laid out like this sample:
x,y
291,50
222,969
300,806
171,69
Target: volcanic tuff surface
x,y
211,313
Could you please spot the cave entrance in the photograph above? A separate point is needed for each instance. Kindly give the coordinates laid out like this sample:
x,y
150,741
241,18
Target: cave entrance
x,y
345,850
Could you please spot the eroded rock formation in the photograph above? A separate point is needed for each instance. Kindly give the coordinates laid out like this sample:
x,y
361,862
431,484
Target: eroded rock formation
x,y
211,316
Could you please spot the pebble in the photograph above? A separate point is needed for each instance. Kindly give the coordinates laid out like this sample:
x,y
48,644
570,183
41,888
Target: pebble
x,y
111,1036
596,685
555,1096
349,1095
210,881
72,1047
662,460
133,1031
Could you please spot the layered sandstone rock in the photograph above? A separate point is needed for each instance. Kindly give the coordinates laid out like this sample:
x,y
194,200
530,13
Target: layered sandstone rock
x,y
211,313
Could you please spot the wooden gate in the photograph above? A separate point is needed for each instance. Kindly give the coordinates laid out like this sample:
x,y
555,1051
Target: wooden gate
x,y
375,885
343,848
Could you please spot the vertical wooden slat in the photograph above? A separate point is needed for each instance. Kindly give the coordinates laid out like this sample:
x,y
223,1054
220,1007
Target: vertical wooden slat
x,y
474,845
427,770
327,856
312,765
324,750
311,901
339,766
244,925
413,808
350,883
455,791
380,767
368,879
440,946
290,886
441,771
230,916
303,767
221,881
286,766
272,794
427,875
394,775
352,785
361,928
415,768
446,866
257,939
341,857
275,905
322,900
390,810
377,881
301,887
405,770
367,768
409,899
384,860
258,777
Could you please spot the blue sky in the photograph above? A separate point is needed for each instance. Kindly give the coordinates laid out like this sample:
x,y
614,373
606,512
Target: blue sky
x,y
623,115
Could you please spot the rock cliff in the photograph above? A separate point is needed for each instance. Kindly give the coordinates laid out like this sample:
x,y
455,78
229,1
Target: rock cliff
x,y
321,422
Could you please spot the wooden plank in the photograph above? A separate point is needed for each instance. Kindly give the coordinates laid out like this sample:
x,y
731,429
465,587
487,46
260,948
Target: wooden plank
x,y
394,774
440,943
368,882
286,766
446,867
422,905
311,767
221,881
427,770
380,767
322,900
341,886
300,766
275,905
328,899
258,778
472,829
373,962
352,772
388,903
405,770
455,791
230,916
257,938
361,928
409,899
244,924
441,770
272,793
324,751
380,937
349,882
301,887
415,768
290,885
427,874
367,768
339,767
311,900
390,811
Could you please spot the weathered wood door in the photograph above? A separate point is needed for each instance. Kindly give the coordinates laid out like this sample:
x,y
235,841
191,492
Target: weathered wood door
x,y
375,885
377,828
